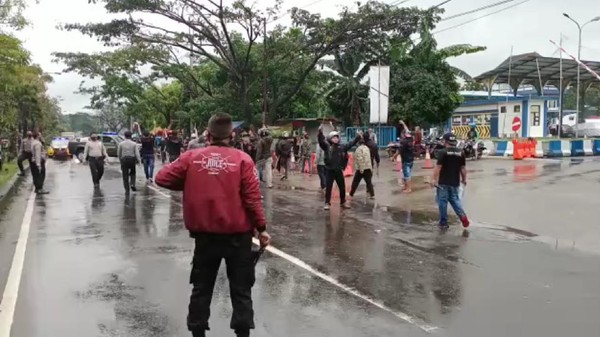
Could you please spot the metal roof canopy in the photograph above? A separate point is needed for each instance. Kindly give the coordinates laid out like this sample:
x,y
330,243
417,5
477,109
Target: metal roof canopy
x,y
524,70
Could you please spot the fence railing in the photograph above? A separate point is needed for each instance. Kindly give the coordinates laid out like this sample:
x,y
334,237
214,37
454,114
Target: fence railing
x,y
385,134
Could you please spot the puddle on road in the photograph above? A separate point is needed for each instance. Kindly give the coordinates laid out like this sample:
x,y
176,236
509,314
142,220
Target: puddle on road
x,y
132,317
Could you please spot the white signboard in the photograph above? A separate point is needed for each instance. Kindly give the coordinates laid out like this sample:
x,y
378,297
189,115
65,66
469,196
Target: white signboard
x,y
379,82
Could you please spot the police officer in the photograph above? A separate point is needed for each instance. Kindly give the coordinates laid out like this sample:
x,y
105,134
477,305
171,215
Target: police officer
x,y
222,209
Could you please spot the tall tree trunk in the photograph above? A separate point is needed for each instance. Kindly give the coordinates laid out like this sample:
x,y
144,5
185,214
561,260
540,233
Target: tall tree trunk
x,y
356,112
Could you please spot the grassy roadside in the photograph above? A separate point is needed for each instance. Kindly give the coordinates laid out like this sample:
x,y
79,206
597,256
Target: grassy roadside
x,y
8,172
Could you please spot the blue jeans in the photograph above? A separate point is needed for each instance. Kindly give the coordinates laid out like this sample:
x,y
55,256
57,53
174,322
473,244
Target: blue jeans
x,y
148,165
448,194
407,170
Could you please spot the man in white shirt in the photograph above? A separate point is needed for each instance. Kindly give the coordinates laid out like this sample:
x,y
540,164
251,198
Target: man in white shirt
x,y
95,154
129,156
38,163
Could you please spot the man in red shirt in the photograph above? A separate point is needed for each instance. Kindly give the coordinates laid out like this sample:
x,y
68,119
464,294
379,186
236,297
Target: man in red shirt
x,y
222,209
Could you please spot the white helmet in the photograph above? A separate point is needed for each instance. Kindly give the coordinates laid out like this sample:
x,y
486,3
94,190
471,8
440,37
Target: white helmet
x,y
333,134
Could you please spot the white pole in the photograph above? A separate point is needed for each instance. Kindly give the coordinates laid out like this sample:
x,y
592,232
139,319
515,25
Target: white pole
x,y
379,94
560,93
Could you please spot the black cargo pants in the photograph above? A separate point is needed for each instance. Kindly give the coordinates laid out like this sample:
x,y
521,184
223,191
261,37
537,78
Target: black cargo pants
x,y
210,249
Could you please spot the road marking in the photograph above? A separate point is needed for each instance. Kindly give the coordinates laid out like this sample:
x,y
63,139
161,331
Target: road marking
x,y
296,261
11,291
157,190
405,317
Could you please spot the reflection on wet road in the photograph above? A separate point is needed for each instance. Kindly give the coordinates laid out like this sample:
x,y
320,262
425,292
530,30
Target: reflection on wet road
x,y
101,264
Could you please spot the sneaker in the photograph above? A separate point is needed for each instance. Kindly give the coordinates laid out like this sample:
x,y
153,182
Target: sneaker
x,y
345,205
327,206
41,192
465,221
133,188
22,174
372,197
443,226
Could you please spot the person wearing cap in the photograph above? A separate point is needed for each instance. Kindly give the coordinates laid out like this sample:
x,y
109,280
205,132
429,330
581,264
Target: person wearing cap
x,y
222,210
25,153
336,160
37,165
407,153
129,156
449,173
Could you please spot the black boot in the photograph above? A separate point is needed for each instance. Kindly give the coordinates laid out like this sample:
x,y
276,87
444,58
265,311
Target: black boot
x,y
242,333
200,333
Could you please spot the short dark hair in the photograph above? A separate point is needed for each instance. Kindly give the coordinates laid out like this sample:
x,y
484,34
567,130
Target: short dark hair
x,y
127,134
35,134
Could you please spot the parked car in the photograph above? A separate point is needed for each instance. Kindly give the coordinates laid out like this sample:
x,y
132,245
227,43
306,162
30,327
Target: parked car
x,y
567,131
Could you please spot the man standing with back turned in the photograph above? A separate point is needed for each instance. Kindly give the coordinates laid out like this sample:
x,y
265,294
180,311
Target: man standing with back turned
x,y
449,173
222,210
129,156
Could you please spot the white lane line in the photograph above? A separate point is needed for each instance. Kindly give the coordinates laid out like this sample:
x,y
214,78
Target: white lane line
x,y
157,190
296,261
11,291
405,317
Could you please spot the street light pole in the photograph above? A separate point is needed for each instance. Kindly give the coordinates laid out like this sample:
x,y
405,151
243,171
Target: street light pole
x,y
580,27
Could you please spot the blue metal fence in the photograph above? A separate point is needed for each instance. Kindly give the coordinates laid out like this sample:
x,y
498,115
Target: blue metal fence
x,y
385,134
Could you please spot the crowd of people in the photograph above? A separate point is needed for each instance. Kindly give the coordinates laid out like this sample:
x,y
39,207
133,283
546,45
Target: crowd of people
x,y
225,216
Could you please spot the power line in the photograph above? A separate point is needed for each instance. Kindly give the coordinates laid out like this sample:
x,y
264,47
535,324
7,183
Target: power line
x,y
481,17
288,12
477,9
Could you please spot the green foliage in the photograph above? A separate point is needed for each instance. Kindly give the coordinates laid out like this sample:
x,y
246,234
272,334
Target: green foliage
x,y
11,13
24,103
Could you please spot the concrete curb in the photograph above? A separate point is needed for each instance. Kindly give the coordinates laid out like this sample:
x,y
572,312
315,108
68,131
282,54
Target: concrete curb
x,y
9,188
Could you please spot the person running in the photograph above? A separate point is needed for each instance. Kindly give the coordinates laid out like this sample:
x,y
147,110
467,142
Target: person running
x,y
449,173
95,154
264,160
321,169
147,154
222,209
37,164
407,153
173,147
305,153
129,156
25,153
336,159
363,165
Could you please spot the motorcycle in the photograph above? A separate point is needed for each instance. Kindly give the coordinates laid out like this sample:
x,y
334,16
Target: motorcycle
x,y
473,150
433,146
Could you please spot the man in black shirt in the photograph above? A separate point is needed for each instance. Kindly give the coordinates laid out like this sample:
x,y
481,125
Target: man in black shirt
x,y
407,153
174,146
449,172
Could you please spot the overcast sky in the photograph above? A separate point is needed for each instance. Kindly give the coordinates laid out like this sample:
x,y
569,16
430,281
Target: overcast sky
x,y
526,27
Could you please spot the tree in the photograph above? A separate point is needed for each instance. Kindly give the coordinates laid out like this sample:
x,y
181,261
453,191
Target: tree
x,y
11,13
423,86
112,116
228,37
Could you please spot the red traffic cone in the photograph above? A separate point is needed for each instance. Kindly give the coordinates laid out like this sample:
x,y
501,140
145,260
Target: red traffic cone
x,y
428,162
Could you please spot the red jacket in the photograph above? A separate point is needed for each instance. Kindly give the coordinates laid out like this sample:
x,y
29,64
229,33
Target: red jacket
x,y
220,187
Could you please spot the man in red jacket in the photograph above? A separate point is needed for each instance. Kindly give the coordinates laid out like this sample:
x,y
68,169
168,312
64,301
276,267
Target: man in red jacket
x,y
222,209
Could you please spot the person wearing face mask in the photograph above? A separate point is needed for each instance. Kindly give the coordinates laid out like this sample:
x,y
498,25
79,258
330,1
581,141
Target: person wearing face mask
x,y
95,154
336,159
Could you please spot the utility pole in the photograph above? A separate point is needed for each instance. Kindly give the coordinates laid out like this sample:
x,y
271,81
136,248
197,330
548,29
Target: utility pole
x,y
265,73
580,27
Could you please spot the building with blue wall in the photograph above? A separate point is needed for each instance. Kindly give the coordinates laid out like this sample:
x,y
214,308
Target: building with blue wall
x,y
495,113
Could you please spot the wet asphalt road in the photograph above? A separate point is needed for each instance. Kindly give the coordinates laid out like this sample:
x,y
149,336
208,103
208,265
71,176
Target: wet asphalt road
x,y
101,264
